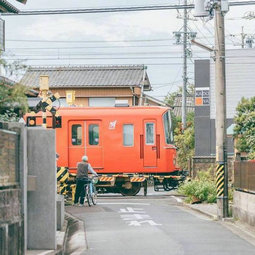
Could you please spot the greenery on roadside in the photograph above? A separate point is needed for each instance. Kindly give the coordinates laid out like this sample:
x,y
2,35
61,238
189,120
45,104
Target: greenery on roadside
x,y
184,138
185,142
244,130
201,189
12,96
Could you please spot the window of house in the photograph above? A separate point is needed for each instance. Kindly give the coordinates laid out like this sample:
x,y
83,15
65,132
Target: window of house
x,y
150,130
128,135
76,134
93,134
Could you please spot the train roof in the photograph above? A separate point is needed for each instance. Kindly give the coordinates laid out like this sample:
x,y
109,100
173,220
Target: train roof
x,y
139,110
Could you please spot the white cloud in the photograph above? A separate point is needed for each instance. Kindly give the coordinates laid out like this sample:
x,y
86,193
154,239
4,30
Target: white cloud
x,y
108,27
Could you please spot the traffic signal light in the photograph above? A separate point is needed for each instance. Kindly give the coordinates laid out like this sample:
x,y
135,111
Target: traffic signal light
x,y
58,122
31,121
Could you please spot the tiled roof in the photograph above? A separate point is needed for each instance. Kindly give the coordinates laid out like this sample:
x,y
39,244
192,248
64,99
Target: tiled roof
x,y
88,76
190,105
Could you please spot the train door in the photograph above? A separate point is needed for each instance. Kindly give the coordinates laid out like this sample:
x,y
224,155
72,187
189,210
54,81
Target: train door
x,y
85,139
150,147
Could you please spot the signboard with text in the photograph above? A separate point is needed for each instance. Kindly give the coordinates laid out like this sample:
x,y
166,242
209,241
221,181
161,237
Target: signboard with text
x,y
202,96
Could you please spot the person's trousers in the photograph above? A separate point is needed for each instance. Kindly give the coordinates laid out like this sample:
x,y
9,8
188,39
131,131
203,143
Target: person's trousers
x,y
80,191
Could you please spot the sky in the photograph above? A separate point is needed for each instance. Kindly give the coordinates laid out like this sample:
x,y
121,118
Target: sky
x,y
116,38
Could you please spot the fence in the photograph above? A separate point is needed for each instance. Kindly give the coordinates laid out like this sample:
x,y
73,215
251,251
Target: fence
x,y
9,174
244,176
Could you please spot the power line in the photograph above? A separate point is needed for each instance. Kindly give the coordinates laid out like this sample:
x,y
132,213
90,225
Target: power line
x,y
101,54
94,58
86,41
116,9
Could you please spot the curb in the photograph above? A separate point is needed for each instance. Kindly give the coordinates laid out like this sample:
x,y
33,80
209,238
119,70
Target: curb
x,y
75,238
182,203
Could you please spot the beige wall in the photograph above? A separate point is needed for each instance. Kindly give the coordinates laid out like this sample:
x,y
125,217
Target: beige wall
x,y
82,95
95,92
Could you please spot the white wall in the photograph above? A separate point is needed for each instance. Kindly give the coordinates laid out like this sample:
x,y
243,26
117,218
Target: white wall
x,y
240,79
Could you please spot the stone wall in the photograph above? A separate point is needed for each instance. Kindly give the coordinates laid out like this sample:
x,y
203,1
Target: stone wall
x,y
8,158
11,218
205,163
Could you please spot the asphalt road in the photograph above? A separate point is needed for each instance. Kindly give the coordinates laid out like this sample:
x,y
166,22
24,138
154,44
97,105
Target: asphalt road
x,y
154,225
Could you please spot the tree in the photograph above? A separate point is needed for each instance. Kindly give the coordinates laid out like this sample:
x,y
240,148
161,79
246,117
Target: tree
x,y
184,139
12,95
244,130
185,142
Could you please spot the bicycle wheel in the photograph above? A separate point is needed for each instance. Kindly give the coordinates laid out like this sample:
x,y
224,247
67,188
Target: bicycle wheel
x,y
94,197
88,196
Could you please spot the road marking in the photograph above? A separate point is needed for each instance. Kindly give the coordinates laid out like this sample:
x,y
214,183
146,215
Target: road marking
x,y
138,223
123,203
131,210
136,217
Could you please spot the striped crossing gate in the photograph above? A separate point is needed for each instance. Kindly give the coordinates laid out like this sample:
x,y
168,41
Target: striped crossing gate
x,y
62,178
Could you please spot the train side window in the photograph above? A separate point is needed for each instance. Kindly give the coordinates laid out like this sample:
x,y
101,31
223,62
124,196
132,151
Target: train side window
x,y
76,134
150,130
93,134
128,135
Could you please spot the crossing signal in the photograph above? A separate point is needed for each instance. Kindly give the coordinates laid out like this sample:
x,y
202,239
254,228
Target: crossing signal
x,y
58,122
31,121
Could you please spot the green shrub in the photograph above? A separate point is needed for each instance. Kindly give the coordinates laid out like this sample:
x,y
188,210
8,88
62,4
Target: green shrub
x,y
202,188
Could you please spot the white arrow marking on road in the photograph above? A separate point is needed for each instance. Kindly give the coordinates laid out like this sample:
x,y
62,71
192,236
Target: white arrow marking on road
x,y
132,210
138,223
135,217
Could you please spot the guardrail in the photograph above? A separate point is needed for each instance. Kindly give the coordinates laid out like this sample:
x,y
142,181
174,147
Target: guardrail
x,y
244,172
9,174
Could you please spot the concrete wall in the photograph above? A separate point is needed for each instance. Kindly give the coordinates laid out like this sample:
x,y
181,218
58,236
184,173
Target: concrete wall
x,y
41,203
244,207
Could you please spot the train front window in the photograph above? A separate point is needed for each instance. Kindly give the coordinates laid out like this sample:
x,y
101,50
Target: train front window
x,y
93,134
150,130
168,127
76,135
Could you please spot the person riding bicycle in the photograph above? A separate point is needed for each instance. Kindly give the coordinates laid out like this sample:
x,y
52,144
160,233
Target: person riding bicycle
x,y
82,179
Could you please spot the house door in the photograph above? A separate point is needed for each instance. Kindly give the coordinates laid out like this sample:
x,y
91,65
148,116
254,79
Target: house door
x,y
150,148
85,139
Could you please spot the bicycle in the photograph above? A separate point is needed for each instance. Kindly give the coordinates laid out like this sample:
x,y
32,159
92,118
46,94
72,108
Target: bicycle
x,y
91,193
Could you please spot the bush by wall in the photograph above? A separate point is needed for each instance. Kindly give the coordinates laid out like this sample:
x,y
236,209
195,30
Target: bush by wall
x,y
201,189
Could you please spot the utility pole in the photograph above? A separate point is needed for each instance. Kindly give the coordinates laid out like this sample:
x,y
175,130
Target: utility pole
x,y
184,86
243,35
220,120
183,37
205,8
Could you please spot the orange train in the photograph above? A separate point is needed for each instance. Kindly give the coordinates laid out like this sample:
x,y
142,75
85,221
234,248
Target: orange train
x,y
125,145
